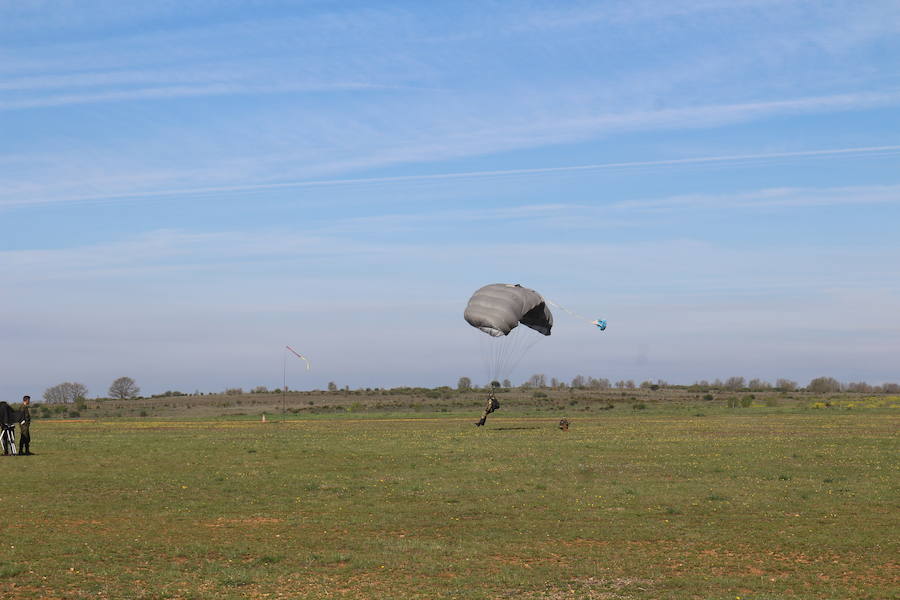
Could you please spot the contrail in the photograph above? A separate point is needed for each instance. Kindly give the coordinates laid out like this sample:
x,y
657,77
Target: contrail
x,y
499,173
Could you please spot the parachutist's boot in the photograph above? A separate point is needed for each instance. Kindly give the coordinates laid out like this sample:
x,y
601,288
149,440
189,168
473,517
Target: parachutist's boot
x,y
480,421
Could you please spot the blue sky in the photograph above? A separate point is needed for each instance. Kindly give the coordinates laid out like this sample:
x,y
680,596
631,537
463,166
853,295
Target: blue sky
x,y
186,189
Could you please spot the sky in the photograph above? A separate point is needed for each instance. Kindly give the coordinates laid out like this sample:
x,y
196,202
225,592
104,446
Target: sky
x,y
189,187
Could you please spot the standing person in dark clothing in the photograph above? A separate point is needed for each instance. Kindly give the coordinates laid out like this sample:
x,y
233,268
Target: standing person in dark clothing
x,y
24,426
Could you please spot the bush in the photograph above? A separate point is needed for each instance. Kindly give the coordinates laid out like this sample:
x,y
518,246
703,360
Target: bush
x,y
638,406
539,395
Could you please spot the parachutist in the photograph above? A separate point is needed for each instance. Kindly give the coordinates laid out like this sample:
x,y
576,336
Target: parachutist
x,y
492,405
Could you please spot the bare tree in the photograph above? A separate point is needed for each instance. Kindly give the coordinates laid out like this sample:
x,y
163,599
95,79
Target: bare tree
x,y
758,385
734,383
824,385
598,384
537,381
332,386
65,393
124,388
786,385
629,385
464,384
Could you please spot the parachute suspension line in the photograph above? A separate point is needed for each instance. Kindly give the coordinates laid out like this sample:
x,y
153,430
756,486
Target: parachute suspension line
x,y
601,323
522,339
503,354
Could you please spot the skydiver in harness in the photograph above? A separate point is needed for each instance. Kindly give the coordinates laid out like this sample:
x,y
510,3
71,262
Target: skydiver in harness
x,y
491,406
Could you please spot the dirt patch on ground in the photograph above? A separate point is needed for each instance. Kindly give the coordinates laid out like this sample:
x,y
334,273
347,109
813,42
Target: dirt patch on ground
x,y
592,588
223,522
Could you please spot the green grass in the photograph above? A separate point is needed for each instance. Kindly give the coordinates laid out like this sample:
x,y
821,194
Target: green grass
x,y
753,503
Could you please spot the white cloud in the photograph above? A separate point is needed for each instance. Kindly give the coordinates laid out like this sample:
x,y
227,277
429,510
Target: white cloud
x,y
770,199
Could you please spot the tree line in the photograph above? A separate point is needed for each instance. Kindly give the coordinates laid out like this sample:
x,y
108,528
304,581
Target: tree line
x,y
123,388
821,385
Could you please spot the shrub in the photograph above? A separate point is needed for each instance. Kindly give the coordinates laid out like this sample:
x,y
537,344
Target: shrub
x,y
638,406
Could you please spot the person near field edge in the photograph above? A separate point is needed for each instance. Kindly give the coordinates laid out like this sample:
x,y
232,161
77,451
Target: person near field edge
x,y
25,428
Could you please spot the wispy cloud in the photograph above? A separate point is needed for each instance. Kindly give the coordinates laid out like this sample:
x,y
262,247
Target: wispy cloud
x,y
169,92
586,14
20,196
769,199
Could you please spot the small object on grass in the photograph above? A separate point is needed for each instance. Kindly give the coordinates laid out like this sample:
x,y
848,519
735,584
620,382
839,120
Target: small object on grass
x,y
564,424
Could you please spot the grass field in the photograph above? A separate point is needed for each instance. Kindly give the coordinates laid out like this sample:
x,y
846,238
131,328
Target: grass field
x,y
657,503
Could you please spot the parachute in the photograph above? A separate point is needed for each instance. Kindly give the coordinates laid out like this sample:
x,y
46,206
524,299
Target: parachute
x,y
8,415
497,310
8,419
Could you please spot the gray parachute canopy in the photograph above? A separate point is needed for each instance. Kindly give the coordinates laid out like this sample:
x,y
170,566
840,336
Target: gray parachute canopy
x,y
498,308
